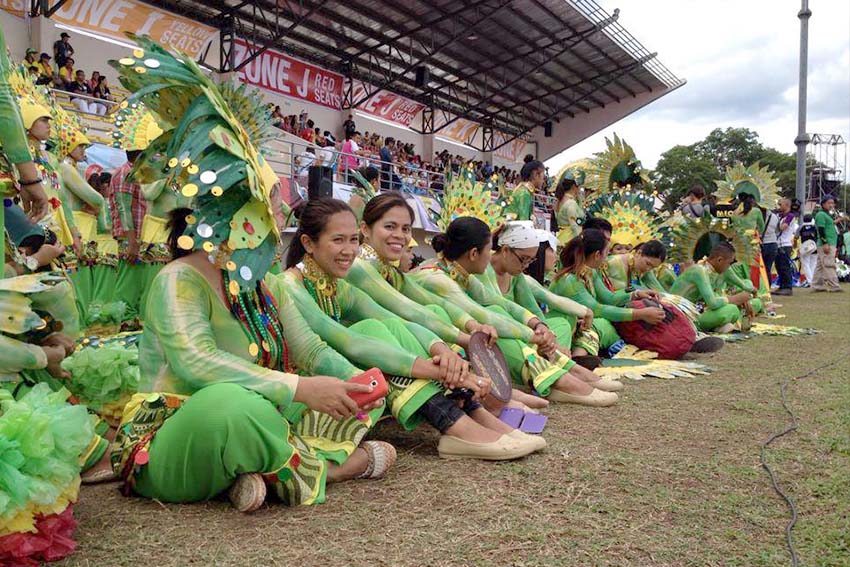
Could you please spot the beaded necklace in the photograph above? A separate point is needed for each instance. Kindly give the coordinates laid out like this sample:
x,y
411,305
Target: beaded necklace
x,y
389,272
257,312
585,276
632,279
321,286
454,270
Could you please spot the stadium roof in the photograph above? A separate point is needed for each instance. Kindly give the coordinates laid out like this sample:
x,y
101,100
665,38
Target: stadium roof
x,y
512,65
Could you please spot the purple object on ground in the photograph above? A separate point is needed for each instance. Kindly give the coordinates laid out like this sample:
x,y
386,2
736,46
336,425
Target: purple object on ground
x,y
512,417
533,423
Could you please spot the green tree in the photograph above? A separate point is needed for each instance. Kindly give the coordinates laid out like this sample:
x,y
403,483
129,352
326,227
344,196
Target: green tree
x,y
727,147
679,169
784,167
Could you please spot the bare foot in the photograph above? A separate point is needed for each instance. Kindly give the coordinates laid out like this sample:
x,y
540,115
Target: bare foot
x,y
355,465
533,402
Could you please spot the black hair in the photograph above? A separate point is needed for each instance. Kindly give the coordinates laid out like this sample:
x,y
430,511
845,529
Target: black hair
x,y
723,248
597,223
33,68
177,225
749,201
574,253
312,218
527,158
369,173
388,140
653,249
537,269
807,217
462,235
132,155
564,185
378,206
529,168
697,191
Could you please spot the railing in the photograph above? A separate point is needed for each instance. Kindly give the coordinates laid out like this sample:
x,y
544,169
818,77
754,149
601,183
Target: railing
x,y
109,104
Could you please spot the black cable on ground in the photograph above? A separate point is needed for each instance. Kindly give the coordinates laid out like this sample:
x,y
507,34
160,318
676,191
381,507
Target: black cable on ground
x,y
795,561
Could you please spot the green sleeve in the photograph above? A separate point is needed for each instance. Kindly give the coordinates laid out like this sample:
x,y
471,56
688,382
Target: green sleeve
x,y
12,134
442,285
555,302
731,277
617,298
412,289
104,221
363,351
522,204
181,322
524,297
16,356
650,281
700,279
569,286
355,306
75,184
485,290
367,279
124,206
310,353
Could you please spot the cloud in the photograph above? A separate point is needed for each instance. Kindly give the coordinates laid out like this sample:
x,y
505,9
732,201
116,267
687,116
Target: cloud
x,y
740,60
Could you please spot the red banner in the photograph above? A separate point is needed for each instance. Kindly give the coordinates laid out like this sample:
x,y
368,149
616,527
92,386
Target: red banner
x,y
283,74
387,105
512,151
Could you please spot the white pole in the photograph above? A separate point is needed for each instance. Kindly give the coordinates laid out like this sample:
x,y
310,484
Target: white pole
x,y
802,139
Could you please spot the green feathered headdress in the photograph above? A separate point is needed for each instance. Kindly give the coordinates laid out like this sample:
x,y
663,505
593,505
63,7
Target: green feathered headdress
x,y
208,151
631,214
616,168
692,239
464,196
754,180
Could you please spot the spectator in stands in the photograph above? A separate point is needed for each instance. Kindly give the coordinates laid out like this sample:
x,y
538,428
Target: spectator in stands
x,y
692,203
95,75
67,73
29,58
307,133
80,86
349,128
33,72
487,170
325,155
62,49
277,117
528,158
329,137
101,89
350,152
45,70
386,156
304,161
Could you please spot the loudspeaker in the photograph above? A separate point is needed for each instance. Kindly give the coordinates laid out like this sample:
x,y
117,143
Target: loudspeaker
x,y
320,183
547,129
423,77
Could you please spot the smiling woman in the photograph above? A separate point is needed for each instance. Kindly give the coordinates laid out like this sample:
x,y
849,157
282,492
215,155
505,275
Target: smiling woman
x,y
419,365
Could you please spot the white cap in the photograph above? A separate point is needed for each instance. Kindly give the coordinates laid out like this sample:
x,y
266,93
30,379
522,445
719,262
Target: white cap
x,y
519,234
548,237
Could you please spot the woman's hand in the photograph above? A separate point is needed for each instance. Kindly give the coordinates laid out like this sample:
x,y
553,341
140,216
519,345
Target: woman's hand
x,y
478,385
55,356
645,294
330,395
47,253
651,315
453,369
587,320
60,340
740,298
489,330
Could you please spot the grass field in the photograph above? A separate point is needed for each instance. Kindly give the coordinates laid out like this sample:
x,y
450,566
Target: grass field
x,y
670,476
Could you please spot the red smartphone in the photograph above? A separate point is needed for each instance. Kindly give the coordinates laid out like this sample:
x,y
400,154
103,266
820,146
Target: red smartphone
x,y
372,377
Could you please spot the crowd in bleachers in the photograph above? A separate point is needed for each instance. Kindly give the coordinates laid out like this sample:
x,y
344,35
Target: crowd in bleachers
x,y
63,75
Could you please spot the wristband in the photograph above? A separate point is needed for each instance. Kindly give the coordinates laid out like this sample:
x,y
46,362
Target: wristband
x,y
23,183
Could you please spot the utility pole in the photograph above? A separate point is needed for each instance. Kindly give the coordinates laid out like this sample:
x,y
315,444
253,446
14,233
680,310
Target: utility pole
x,y
802,139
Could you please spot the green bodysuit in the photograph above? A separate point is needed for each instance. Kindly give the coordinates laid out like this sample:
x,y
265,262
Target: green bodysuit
x,y
520,202
701,284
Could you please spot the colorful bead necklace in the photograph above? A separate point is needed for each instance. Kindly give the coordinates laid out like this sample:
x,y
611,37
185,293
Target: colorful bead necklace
x,y
321,286
389,272
257,312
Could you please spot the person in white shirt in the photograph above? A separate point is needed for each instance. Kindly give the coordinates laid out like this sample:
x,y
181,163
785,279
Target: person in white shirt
x,y
787,231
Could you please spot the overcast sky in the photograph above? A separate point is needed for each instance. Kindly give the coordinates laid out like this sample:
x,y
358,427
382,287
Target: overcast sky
x,y
740,59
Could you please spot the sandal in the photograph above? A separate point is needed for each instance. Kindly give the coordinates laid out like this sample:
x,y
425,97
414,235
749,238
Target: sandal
x,y
382,457
248,492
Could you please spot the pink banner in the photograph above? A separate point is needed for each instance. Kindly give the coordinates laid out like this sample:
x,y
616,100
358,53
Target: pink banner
x,y
283,74
387,105
512,151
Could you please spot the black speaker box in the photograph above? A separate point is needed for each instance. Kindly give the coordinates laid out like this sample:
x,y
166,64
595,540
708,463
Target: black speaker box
x,y
320,183
423,77
547,129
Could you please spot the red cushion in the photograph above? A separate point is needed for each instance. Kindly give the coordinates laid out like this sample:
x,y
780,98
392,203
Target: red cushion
x,y
671,338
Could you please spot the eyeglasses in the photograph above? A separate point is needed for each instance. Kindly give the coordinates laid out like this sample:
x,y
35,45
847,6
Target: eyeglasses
x,y
524,261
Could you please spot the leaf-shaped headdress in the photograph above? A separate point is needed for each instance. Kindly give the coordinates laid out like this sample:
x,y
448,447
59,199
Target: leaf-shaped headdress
x,y
576,170
693,238
67,130
756,180
631,214
464,196
209,151
615,168
135,126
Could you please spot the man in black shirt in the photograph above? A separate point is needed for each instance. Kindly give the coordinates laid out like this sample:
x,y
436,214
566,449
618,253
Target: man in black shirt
x,y
62,49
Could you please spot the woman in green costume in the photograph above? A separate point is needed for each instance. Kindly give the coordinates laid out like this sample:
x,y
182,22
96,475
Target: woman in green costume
x,y
580,260
515,247
705,285
419,364
519,204
464,251
569,214
386,227
750,220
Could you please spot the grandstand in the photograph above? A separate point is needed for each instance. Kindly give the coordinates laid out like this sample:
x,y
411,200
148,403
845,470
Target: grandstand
x,y
489,80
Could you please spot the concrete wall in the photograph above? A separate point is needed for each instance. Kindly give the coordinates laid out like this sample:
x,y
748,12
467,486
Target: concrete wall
x,y
17,32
